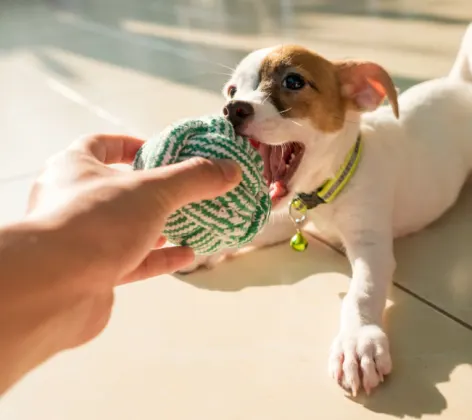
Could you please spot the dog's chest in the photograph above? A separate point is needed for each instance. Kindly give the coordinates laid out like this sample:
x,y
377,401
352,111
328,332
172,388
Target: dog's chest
x,y
320,222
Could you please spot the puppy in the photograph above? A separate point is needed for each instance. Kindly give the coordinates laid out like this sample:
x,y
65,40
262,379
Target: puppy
x,y
416,156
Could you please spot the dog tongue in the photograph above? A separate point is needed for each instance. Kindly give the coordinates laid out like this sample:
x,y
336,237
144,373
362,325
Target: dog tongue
x,y
254,143
274,170
277,190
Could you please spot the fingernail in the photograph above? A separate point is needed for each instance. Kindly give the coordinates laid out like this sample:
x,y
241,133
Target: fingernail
x,y
231,170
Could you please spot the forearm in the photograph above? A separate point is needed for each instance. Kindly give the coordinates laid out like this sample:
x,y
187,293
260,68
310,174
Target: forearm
x,y
372,270
28,311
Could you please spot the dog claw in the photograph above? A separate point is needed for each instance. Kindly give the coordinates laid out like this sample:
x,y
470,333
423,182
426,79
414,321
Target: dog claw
x,y
364,365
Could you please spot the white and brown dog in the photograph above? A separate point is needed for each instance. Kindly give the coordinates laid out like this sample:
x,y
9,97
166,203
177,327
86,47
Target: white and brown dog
x,y
305,114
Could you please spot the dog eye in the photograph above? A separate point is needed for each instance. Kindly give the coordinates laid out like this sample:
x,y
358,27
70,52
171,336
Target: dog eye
x,y
232,91
293,81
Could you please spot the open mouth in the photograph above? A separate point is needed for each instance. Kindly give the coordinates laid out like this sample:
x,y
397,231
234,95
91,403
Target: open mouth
x,y
280,164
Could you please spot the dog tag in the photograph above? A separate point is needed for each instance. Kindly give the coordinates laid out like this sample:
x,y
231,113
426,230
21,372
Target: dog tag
x,y
298,242
297,212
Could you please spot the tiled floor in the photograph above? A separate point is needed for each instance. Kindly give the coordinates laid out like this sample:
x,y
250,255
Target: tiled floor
x,y
250,339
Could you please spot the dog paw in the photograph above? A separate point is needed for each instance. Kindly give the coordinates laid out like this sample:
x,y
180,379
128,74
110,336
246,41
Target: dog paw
x,y
360,359
201,261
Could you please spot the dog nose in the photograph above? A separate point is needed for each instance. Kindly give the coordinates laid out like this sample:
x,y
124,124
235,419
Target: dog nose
x,y
237,112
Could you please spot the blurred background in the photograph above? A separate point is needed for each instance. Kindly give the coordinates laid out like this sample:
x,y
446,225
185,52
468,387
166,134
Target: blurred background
x,y
69,67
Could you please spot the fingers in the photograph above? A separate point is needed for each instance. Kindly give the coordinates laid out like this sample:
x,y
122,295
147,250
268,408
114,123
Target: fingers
x,y
160,242
192,180
109,148
161,261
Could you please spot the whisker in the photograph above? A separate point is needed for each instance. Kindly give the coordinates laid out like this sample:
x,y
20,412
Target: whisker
x,y
297,123
218,72
203,74
285,110
275,217
265,99
225,66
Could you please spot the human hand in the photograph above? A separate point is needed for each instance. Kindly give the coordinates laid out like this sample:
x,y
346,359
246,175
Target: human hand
x,y
91,227
120,214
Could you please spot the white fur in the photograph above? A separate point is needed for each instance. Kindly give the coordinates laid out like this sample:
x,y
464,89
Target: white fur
x,y
410,173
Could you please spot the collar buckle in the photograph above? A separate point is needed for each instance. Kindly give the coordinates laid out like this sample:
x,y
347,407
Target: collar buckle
x,y
303,202
311,200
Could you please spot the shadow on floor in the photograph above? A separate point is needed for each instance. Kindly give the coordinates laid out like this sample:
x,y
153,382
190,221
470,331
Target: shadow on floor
x,y
426,345
425,353
423,360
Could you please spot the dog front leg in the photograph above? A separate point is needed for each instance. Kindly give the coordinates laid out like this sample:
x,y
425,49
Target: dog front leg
x,y
360,355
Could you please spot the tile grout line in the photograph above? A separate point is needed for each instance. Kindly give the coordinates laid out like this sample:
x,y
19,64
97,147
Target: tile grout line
x,y
408,291
75,97
101,113
70,94
433,306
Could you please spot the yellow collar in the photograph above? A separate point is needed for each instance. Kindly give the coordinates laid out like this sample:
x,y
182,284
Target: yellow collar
x,y
332,187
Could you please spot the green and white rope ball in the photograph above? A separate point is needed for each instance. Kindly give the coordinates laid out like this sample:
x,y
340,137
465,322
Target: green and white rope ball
x,y
229,221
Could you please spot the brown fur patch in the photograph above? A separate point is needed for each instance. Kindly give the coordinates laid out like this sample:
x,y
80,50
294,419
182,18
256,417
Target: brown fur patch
x,y
320,100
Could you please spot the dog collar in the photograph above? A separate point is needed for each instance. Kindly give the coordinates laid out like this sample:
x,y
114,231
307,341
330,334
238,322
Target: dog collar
x,y
302,202
332,187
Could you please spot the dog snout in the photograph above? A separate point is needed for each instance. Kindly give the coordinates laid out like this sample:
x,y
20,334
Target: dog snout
x,y
238,112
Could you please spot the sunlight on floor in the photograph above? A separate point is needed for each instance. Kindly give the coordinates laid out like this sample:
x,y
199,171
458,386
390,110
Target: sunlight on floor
x,y
251,338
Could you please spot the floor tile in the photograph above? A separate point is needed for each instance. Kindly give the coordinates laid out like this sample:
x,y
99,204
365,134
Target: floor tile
x,y
42,116
251,338
436,262
247,340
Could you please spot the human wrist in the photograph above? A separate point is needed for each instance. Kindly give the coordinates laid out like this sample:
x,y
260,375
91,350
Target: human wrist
x,y
30,305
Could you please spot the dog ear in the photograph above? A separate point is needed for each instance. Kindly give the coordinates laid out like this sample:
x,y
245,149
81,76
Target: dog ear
x,y
365,85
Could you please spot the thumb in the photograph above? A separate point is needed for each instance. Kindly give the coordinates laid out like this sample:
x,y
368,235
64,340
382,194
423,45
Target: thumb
x,y
193,180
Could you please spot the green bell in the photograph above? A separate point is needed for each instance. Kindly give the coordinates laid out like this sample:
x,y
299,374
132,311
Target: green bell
x,y
299,242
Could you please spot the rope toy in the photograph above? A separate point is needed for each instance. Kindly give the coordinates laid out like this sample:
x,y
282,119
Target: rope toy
x,y
228,221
